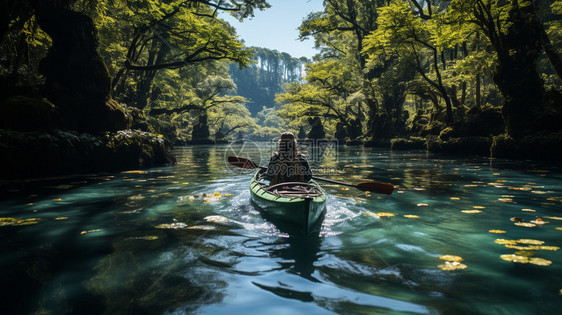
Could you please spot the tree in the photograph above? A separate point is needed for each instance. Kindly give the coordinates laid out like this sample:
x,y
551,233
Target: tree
x,y
516,36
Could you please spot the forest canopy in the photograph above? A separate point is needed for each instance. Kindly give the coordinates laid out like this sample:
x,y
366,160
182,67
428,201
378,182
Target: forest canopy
x,y
384,69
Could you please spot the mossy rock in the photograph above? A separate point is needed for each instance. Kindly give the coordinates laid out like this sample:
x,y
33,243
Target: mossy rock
x,y
541,146
412,143
461,146
25,113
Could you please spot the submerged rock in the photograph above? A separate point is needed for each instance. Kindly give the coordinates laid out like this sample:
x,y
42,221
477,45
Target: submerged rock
x,y
39,154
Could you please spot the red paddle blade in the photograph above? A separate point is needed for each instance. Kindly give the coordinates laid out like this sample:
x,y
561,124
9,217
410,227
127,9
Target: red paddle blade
x,y
242,162
379,188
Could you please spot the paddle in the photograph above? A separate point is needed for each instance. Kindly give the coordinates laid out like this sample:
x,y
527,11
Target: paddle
x,y
379,188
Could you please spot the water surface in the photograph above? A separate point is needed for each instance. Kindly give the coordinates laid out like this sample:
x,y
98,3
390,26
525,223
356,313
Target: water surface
x,y
185,239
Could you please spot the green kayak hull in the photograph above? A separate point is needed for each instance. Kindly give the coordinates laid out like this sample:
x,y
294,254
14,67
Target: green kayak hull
x,y
303,212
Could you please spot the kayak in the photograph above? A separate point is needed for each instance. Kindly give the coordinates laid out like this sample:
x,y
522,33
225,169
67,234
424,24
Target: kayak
x,y
295,203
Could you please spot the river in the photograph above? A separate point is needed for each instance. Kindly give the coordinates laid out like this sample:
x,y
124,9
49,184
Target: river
x,y
458,236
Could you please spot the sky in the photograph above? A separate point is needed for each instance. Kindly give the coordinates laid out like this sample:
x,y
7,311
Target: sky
x,y
276,27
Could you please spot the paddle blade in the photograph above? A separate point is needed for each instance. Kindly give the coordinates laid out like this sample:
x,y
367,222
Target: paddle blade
x,y
242,162
379,188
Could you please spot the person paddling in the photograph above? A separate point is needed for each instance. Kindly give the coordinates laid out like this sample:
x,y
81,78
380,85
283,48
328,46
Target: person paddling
x,y
288,164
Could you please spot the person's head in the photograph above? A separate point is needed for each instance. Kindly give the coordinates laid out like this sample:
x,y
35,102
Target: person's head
x,y
288,143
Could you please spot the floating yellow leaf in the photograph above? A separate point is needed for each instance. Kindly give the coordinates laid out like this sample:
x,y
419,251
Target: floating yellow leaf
x,y
136,197
83,232
515,258
549,247
528,210
530,242
422,205
539,221
18,222
455,198
174,226
411,216
505,199
524,253
525,224
539,192
344,188
384,214
217,194
146,238
553,218
57,199
516,219
451,258
470,185
478,207
201,227
554,199
61,218
505,242
228,195
496,231
540,261
216,219
471,211
452,265
519,247
135,172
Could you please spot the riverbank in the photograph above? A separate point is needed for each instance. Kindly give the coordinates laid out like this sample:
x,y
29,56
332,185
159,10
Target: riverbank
x,y
540,146
40,154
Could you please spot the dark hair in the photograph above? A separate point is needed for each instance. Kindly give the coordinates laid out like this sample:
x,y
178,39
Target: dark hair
x,y
288,143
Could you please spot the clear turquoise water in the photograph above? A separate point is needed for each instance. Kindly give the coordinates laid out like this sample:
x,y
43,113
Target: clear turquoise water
x,y
96,248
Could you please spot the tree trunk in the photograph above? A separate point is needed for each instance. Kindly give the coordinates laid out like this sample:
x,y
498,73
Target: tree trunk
x,y
477,93
516,75
76,78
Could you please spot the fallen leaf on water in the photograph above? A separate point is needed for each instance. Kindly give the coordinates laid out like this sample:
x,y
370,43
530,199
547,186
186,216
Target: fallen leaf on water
x,y
539,221
344,188
61,218
174,226
530,242
540,261
136,197
553,218
525,224
422,205
471,211
452,265
505,242
451,258
527,247
528,210
496,231
411,216
201,227
384,214
135,172
228,195
524,260
57,199
549,248
216,219
516,219
455,198
478,207
146,238
505,199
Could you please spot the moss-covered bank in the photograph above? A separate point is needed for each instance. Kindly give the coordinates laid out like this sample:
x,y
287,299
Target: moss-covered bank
x,y
540,146
39,154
